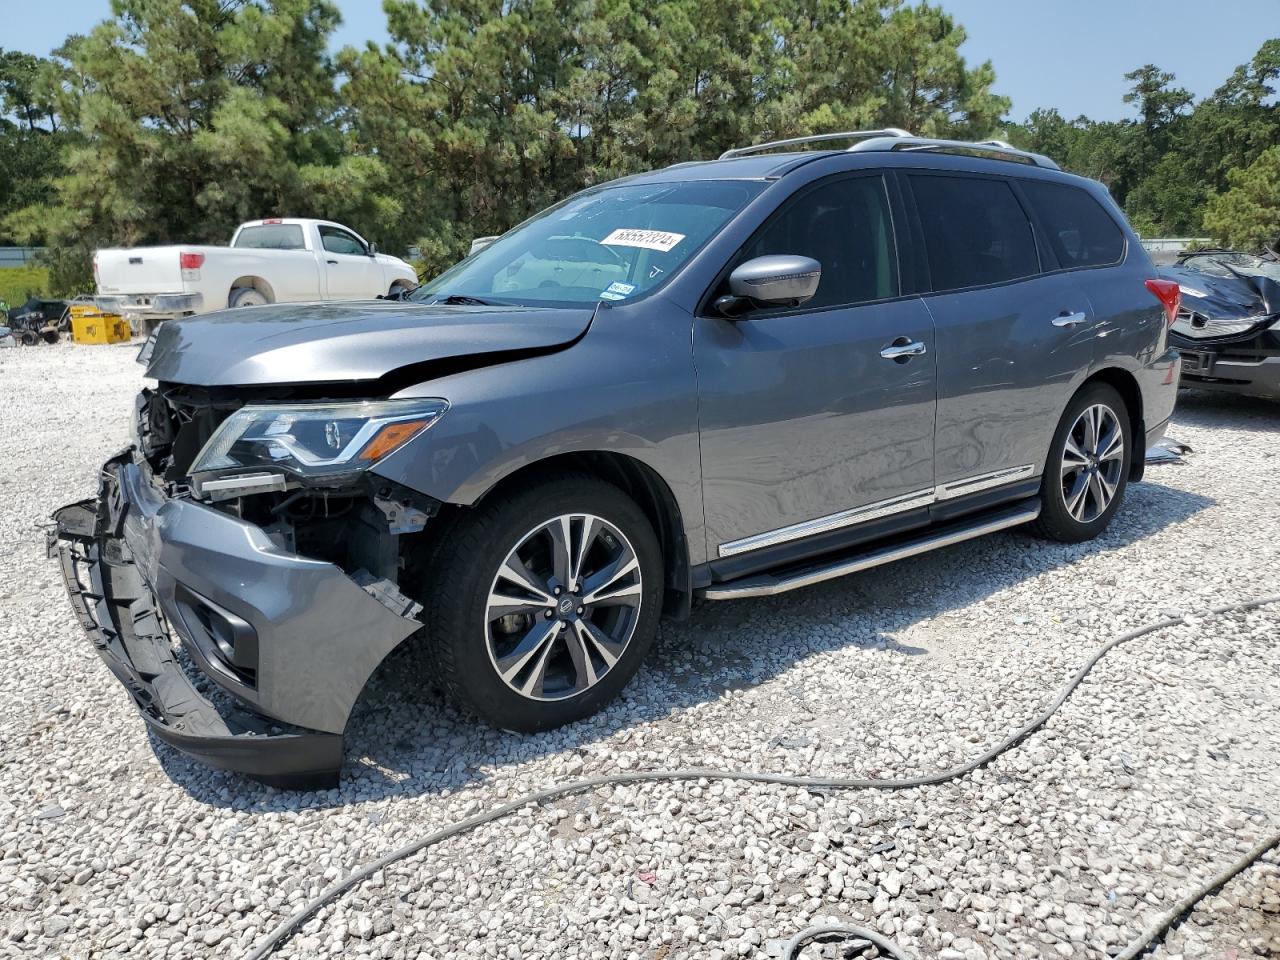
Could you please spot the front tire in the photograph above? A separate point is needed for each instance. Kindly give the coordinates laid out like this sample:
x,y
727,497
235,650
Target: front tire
x,y
1088,468
542,604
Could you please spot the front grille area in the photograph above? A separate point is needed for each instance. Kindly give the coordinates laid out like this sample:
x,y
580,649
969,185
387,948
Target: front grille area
x,y
173,424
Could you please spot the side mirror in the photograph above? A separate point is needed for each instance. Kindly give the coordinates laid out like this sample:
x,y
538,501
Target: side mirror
x,y
773,281
479,243
373,249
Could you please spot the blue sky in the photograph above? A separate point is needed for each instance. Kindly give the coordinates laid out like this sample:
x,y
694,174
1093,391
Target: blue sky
x,y
1071,54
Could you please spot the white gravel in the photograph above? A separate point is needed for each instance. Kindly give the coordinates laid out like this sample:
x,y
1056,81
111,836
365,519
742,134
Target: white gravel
x,y
1160,770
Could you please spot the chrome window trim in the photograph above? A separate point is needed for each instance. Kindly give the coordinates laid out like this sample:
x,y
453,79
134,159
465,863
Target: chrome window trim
x,y
876,510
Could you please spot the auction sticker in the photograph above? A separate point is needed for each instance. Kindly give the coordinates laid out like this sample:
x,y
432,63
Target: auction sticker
x,y
648,239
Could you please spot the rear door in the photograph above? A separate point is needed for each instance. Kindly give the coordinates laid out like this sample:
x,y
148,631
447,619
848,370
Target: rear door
x,y
350,273
808,432
1012,341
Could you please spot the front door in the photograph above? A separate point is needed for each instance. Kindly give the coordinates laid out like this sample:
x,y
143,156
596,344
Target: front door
x,y
1013,342
808,431
350,272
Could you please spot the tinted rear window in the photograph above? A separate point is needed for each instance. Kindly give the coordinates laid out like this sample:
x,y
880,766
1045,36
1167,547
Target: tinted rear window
x,y
1080,231
271,236
975,231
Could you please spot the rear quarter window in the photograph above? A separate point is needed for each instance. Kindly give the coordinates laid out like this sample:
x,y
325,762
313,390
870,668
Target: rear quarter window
x,y
271,236
1080,232
975,231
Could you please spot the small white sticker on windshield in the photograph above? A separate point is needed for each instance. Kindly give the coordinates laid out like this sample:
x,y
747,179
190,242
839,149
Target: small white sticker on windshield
x,y
622,288
648,239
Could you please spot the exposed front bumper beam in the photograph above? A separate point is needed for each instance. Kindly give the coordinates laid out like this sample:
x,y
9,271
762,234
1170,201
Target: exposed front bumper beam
x,y
1252,378
138,565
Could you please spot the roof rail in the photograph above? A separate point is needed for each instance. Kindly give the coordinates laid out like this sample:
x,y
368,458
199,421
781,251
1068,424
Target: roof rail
x,y
994,149
816,138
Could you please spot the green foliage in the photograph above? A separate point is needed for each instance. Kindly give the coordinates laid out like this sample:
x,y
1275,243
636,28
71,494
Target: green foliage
x,y
1164,166
490,110
1247,214
174,120
18,283
192,116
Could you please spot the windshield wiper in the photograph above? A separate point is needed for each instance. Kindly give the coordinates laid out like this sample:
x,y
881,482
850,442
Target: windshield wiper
x,y
469,301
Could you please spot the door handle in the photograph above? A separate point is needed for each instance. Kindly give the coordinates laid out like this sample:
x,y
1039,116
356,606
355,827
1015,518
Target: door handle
x,y
903,350
1069,319
334,262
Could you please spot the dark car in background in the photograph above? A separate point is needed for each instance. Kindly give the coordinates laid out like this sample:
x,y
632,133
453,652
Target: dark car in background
x,y
722,379
1228,325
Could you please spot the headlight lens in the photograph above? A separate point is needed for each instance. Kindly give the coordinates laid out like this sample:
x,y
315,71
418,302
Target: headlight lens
x,y
316,440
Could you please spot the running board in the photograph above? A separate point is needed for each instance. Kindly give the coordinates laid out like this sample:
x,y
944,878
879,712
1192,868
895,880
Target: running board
x,y
768,584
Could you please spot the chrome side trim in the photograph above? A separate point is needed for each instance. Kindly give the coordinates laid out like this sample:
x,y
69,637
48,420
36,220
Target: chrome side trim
x,y
768,586
984,481
877,510
845,518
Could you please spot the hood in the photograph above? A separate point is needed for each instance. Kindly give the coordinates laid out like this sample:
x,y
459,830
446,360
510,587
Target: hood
x,y
292,343
1242,295
1214,306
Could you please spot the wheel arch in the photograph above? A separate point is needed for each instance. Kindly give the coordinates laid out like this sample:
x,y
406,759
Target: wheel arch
x,y
254,283
642,484
1125,384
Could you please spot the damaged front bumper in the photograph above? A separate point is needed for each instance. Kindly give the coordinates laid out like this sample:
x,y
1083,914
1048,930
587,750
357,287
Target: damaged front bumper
x,y
292,640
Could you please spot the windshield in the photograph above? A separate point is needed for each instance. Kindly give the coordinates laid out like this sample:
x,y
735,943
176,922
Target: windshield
x,y
616,243
1222,265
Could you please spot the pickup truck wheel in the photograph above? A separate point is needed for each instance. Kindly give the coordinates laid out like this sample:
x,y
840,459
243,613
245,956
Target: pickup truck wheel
x,y
544,603
1088,468
246,297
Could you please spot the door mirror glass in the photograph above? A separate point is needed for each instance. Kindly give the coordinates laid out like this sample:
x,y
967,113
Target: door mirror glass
x,y
777,280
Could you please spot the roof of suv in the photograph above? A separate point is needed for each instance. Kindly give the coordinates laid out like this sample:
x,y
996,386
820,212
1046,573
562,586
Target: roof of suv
x,y
756,163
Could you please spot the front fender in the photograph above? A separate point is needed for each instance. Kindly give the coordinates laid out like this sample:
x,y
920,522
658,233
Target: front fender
x,y
627,387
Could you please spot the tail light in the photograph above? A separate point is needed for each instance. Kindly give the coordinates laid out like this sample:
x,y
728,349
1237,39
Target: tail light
x,y
190,264
1167,292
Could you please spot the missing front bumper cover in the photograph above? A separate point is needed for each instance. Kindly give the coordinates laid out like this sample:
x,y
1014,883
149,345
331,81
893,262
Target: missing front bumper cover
x,y
128,558
118,610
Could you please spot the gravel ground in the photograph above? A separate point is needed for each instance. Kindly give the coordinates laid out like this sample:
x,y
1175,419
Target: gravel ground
x,y
1156,774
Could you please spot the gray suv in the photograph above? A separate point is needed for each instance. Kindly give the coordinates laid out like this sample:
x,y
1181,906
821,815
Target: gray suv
x,y
718,380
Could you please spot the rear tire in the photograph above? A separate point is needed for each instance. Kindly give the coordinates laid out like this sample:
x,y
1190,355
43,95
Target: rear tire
x,y
542,604
246,297
1088,468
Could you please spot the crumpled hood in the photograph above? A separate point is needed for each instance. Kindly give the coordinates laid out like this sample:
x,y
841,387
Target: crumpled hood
x,y
343,342
1228,297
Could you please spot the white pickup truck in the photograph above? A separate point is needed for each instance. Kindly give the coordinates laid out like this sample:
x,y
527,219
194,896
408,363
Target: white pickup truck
x,y
268,261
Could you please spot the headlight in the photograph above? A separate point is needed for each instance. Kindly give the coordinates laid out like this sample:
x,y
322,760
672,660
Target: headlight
x,y
316,440
148,348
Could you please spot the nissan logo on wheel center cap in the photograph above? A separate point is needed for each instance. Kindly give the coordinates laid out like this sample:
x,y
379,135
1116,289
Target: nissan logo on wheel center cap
x,y
566,604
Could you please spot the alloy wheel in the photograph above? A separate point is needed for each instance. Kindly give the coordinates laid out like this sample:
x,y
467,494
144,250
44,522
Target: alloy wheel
x,y
1092,460
562,607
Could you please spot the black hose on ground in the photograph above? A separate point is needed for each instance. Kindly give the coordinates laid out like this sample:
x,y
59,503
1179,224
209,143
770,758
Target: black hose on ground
x,y
285,929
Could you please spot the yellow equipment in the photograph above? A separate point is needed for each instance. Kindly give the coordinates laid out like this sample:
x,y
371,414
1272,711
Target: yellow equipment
x,y
91,325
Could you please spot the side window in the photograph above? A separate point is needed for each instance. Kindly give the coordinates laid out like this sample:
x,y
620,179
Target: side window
x,y
339,241
975,231
845,225
1080,231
